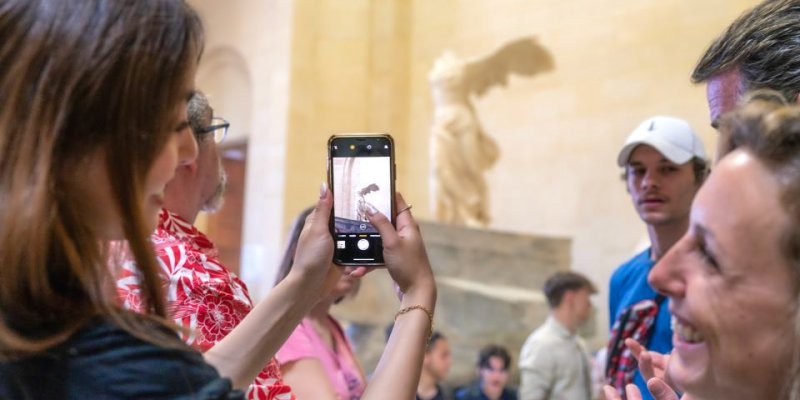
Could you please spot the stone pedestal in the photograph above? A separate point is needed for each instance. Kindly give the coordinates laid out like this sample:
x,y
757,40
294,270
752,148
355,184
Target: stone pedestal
x,y
489,292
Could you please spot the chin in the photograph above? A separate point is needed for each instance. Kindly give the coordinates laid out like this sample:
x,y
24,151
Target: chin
x,y
689,378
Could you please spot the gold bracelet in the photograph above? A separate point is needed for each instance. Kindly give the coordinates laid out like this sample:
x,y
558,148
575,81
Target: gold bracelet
x,y
427,311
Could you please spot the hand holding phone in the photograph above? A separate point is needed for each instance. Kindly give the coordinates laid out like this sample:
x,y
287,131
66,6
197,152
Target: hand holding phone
x,y
361,176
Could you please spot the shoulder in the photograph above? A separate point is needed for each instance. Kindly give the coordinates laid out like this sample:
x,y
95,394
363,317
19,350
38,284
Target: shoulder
x,y
302,343
470,392
538,347
635,266
141,369
509,394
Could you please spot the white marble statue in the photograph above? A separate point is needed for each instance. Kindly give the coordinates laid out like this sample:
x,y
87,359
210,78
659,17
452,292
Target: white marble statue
x,y
460,149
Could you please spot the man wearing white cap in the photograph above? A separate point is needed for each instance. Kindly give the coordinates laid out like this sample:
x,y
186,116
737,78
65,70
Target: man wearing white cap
x,y
665,164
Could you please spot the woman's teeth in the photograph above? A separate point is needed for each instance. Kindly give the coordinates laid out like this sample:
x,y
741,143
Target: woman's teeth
x,y
685,332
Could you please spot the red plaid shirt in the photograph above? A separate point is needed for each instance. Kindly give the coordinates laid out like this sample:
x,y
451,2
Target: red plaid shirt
x,y
201,295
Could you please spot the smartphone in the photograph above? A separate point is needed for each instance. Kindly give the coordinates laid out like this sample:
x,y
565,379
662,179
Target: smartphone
x,y
361,172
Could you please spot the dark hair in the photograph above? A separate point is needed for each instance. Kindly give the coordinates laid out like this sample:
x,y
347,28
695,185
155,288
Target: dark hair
x,y
699,168
562,282
291,244
435,337
493,350
77,77
200,114
763,45
770,130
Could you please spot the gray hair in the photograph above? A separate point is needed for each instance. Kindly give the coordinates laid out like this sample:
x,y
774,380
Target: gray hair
x,y
763,44
200,113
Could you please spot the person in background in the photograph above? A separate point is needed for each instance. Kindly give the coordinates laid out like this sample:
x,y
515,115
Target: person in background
x,y
732,279
759,50
318,359
435,367
203,295
664,166
493,365
553,362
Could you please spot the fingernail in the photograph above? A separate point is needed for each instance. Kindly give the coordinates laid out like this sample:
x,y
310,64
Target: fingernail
x,y
323,189
371,210
656,389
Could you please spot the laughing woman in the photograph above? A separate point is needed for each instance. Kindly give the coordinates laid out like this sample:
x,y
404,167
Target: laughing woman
x,y
734,279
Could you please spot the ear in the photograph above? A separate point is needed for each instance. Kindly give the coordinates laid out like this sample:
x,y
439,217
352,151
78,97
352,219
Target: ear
x,y
190,167
569,295
797,99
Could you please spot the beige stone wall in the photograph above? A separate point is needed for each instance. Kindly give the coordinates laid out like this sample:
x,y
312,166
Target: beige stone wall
x,y
315,67
559,132
245,70
349,74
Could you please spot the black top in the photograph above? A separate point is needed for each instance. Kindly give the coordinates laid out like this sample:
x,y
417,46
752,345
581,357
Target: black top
x,y
103,361
474,392
441,394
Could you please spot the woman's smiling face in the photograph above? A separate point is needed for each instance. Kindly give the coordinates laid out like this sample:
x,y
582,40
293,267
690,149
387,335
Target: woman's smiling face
x,y
732,289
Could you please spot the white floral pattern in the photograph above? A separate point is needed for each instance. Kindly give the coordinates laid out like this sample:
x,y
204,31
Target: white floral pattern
x,y
202,295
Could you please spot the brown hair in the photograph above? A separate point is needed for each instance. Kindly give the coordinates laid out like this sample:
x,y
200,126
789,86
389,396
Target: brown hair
x,y
291,244
770,130
763,45
77,77
564,281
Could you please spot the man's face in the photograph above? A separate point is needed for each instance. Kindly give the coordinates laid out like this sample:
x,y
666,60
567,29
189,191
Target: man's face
x,y
495,375
723,92
661,190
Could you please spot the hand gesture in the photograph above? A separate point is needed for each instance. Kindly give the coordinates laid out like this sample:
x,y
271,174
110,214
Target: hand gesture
x,y
657,387
312,261
651,364
403,250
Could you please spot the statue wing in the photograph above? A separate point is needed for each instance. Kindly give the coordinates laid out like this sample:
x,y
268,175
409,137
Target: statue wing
x,y
524,56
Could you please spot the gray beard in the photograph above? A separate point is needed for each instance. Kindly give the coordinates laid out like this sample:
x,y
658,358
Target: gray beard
x,y
216,200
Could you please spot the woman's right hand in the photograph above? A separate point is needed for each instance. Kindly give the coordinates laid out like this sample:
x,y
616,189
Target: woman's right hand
x,y
404,252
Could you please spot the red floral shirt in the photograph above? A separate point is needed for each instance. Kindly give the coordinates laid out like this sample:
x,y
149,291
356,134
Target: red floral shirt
x,y
201,294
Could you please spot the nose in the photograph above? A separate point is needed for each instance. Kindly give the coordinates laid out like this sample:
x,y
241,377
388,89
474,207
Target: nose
x,y
649,179
667,276
187,147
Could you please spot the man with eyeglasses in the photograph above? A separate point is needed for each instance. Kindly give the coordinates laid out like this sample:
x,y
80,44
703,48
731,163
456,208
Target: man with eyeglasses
x,y
202,294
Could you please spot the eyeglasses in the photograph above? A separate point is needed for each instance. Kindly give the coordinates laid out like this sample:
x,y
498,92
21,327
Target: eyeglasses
x,y
219,126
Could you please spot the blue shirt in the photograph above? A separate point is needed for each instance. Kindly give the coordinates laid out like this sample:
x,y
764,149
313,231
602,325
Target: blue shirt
x,y
629,286
474,392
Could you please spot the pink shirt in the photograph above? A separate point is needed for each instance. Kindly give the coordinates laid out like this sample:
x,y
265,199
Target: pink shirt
x,y
341,366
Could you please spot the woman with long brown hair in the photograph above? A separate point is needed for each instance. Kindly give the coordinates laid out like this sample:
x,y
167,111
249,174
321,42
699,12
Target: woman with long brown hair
x,y
92,125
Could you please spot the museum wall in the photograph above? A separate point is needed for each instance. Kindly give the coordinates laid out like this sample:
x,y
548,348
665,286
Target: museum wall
x,y
559,132
309,68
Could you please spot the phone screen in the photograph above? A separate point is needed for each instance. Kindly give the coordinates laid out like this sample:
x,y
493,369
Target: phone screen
x,y
361,169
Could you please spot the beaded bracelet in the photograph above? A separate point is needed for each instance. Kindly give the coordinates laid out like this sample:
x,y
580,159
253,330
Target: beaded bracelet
x,y
427,311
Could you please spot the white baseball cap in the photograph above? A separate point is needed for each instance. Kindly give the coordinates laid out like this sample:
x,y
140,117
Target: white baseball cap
x,y
672,137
